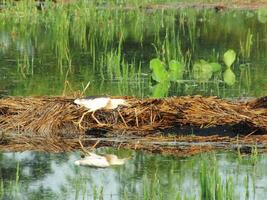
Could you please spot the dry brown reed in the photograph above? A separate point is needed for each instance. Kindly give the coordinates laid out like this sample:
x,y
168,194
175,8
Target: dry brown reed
x,y
58,116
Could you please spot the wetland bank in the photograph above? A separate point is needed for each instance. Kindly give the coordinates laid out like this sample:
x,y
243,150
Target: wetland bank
x,y
151,55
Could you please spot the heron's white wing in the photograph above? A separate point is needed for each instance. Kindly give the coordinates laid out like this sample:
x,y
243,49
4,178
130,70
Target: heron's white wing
x,y
99,103
93,104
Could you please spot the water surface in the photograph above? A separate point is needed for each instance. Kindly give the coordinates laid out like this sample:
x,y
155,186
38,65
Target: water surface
x,y
54,176
38,59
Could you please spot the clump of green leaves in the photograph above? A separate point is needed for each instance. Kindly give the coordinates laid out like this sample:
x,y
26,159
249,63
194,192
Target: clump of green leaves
x,y
203,70
164,75
262,15
161,74
228,75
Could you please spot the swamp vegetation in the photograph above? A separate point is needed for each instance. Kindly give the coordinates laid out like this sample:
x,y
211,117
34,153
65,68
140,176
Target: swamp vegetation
x,y
142,49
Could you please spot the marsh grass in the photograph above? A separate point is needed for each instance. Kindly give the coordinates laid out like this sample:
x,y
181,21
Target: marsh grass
x,y
11,189
119,43
212,185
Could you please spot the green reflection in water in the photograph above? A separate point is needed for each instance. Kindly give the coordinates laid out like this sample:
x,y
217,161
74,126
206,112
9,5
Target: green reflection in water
x,y
111,48
146,176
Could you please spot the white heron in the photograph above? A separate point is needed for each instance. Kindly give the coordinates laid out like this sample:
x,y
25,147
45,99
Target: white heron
x,y
96,103
94,160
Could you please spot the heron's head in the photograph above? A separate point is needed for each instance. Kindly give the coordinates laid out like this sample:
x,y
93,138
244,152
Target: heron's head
x,y
79,101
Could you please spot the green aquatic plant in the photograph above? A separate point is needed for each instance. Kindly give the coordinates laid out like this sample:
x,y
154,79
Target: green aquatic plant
x,y
262,15
160,74
163,76
176,70
215,67
254,154
160,89
211,183
228,75
245,46
2,190
202,71
229,57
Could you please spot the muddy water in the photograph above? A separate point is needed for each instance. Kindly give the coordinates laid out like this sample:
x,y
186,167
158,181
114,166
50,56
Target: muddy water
x,y
54,176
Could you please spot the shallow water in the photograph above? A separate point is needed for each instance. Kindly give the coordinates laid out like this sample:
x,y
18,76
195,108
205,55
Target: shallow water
x,y
32,62
54,176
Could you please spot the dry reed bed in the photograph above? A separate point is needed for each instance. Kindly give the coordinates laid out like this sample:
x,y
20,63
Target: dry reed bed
x,y
46,116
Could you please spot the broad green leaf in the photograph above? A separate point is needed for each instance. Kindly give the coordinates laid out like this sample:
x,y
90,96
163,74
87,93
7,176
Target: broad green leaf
x,y
229,77
159,72
176,70
216,67
202,71
160,89
229,57
262,15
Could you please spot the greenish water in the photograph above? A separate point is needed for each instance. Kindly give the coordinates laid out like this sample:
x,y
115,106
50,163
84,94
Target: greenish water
x,y
54,176
58,51
61,49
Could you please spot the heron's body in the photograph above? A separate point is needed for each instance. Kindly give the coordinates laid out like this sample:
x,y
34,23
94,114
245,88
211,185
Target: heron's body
x,y
93,104
96,103
94,160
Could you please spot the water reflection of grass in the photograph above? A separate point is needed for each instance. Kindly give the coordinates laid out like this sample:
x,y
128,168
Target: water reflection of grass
x,y
61,33
212,186
11,189
206,176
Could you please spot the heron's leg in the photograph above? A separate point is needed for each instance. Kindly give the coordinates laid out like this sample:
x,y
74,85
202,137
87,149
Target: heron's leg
x,y
93,116
81,119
